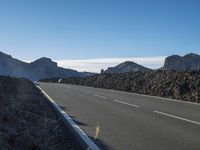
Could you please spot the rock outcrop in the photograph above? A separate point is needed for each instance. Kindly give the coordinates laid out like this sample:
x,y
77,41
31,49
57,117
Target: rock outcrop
x,y
190,61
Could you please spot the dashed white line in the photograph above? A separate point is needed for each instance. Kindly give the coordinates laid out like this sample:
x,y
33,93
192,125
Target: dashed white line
x,y
156,97
125,103
100,96
180,118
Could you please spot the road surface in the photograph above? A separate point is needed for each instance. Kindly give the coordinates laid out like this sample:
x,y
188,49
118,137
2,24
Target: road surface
x,y
129,121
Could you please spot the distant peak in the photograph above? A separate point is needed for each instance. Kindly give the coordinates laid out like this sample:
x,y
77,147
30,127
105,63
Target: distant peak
x,y
127,66
191,55
174,56
127,63
190,61
43,59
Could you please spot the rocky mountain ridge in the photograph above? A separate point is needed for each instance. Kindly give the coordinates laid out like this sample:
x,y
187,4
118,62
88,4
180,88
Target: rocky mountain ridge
x,y
38,69
189,61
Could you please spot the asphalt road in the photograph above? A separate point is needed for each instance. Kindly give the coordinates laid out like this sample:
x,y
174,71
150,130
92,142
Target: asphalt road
x,y
129,121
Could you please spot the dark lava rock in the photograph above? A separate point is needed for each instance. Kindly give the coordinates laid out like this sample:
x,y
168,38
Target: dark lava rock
x,y
182,85
27,121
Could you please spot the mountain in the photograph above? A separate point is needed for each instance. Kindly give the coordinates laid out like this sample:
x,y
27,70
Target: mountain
x,y
39,69
126,66
189,61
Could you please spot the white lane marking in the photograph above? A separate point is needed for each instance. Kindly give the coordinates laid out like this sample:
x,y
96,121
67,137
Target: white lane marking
x,y
100,96
180,118
83,135
157,97
125,103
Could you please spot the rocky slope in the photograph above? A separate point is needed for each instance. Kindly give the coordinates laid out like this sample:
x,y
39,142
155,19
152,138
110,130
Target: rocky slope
x,y
182,85
26,119
126,66
190,61
41,68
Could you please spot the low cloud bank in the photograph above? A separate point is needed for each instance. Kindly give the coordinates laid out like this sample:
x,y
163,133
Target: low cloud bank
x,y
95,65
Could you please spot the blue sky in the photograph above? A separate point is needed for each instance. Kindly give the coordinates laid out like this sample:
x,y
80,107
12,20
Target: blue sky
x,y
90,29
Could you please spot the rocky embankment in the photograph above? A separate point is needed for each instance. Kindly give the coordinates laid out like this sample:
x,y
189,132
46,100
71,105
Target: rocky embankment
x,y
181,85
26,119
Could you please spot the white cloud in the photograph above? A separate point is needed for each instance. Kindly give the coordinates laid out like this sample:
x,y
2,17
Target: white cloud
x,y
95,65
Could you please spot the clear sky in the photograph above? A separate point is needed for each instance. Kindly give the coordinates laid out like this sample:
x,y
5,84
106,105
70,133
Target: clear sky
x,y
91,29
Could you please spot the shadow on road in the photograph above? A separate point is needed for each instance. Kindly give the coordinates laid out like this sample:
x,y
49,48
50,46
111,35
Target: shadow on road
x,y
62,107
101,144
79,123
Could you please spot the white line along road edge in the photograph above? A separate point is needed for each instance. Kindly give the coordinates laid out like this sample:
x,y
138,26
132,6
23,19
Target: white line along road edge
x,y
180,118
85,138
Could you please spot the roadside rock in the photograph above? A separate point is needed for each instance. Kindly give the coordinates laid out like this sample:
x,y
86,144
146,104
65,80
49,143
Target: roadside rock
x,y
182,85
26,119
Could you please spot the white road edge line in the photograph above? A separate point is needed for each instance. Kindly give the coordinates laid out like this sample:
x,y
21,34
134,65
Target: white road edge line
x,y
180,118
83,135
125,103
100,96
